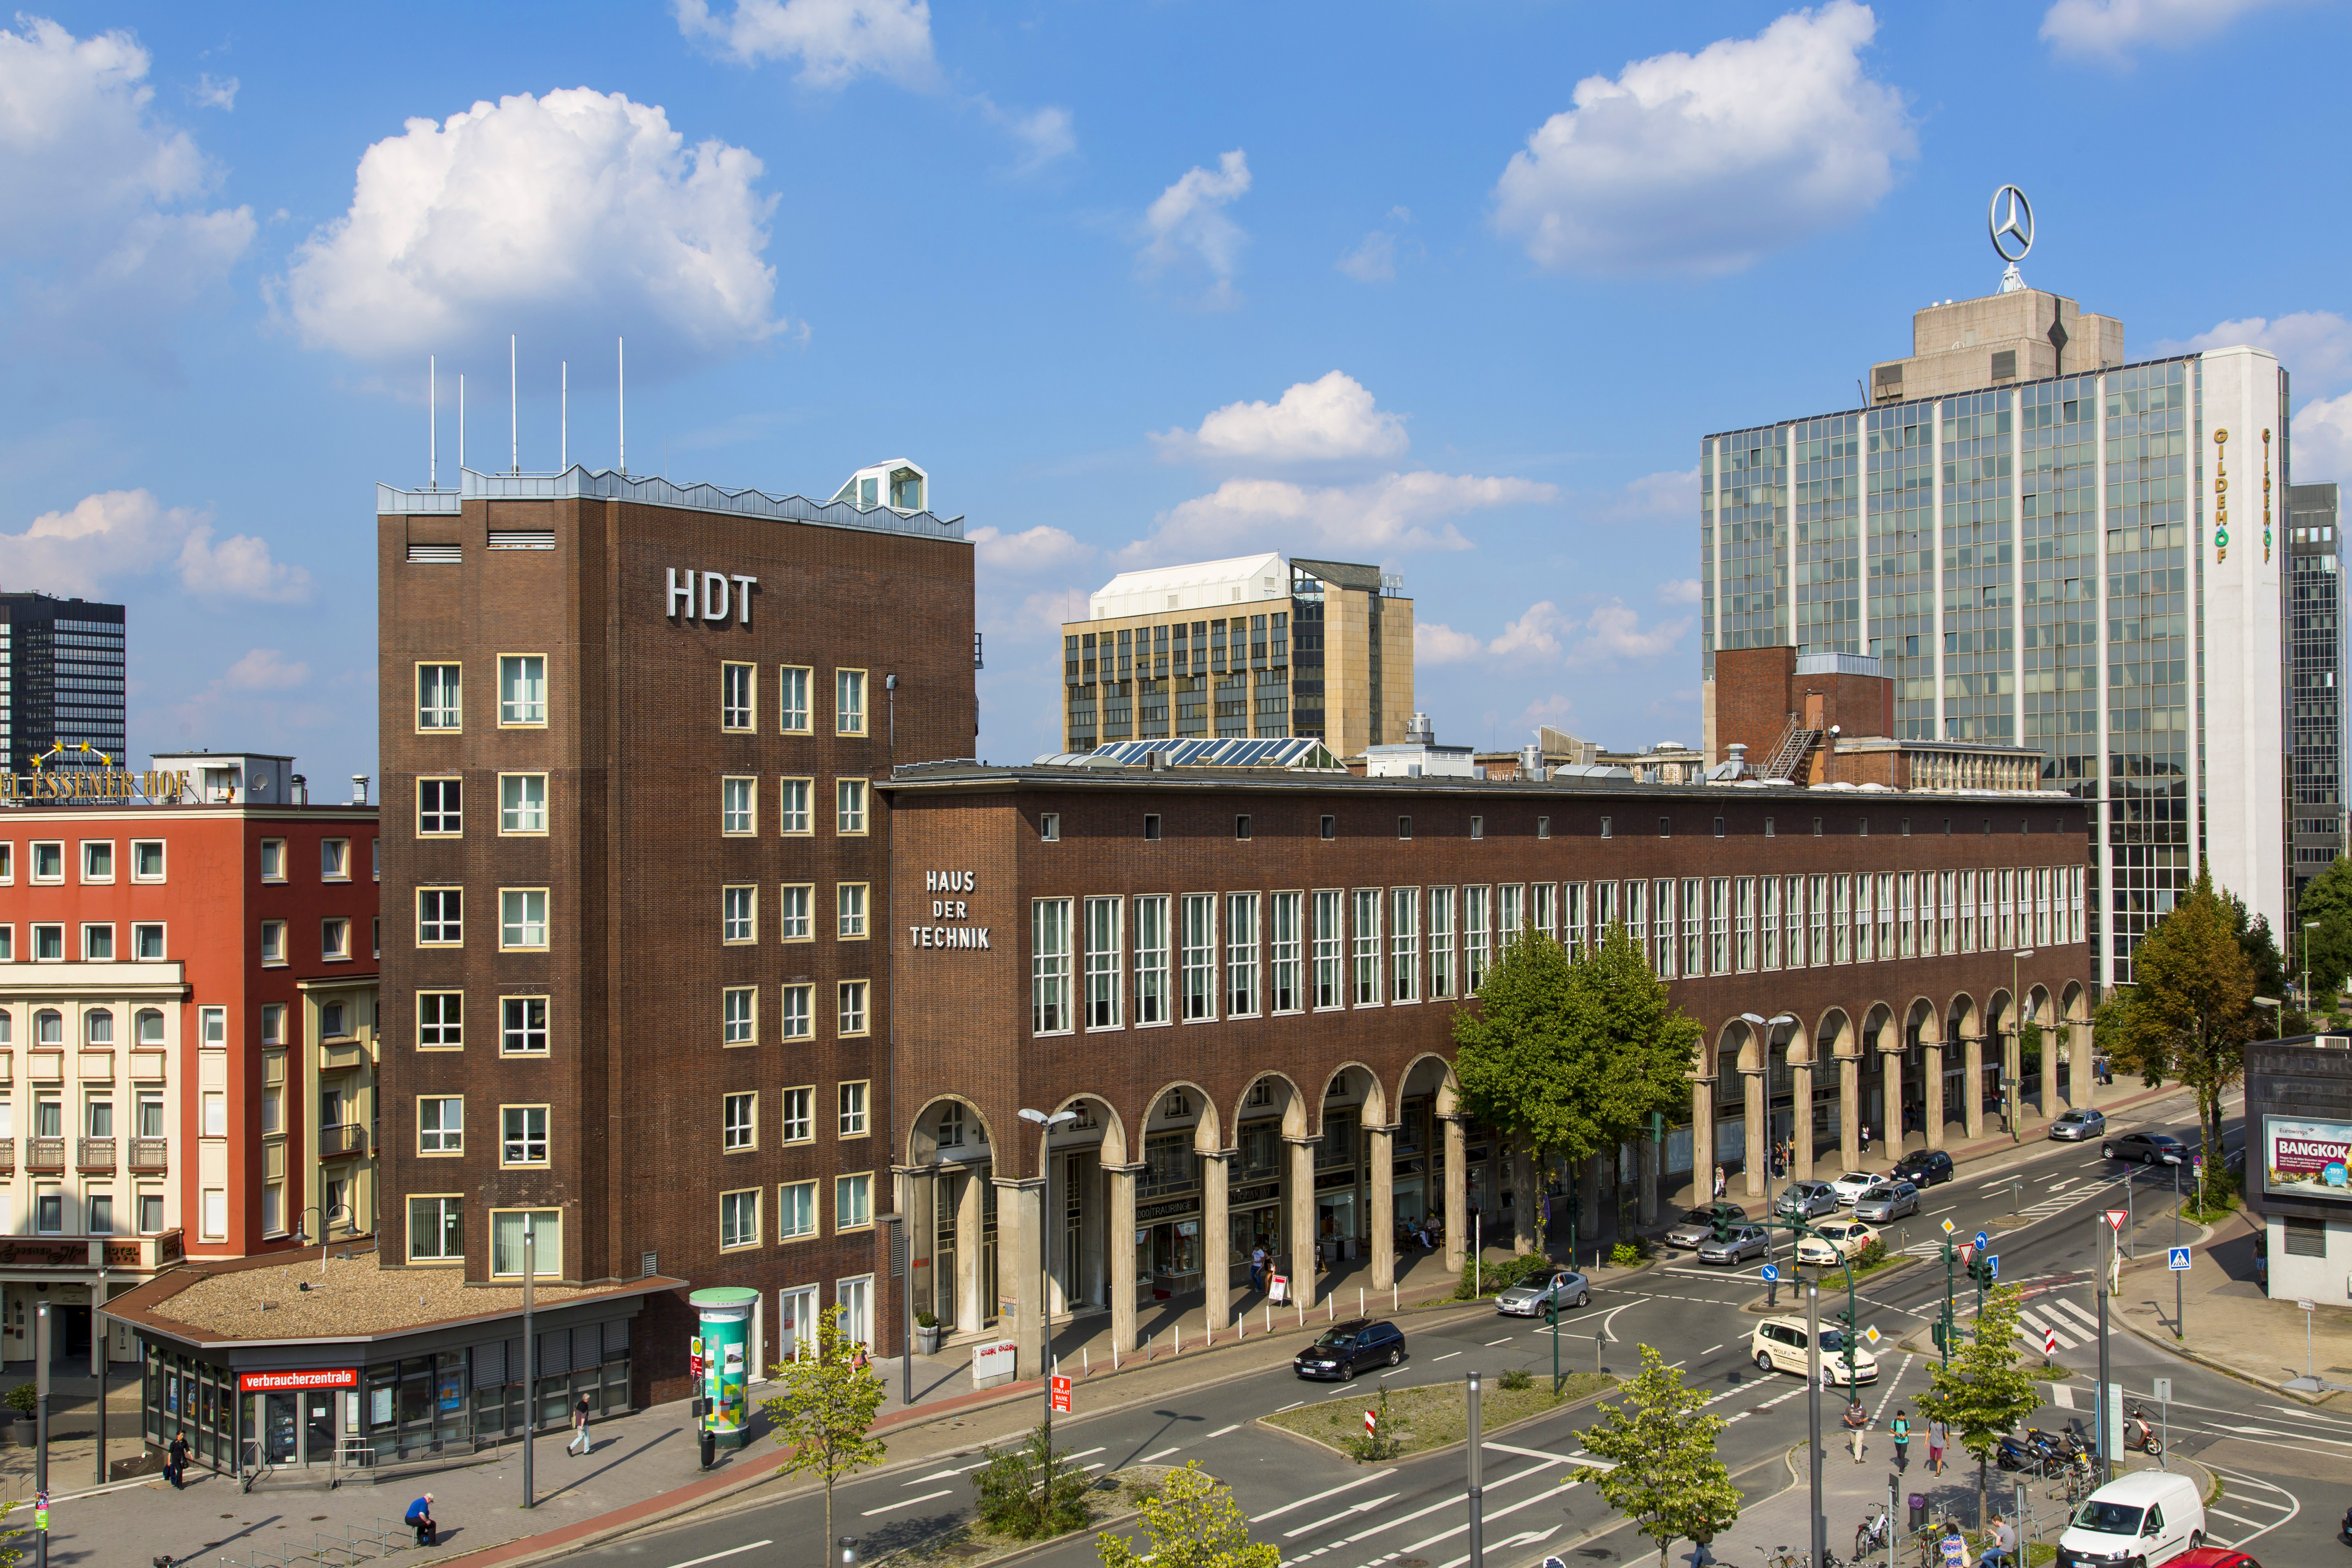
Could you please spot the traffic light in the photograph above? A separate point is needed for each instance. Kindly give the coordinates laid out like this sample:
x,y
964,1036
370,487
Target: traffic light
x,y
1720,1226
1981,1271
1936,1332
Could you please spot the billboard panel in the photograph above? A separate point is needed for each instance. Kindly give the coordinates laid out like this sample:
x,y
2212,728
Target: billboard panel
x,y
2306,1159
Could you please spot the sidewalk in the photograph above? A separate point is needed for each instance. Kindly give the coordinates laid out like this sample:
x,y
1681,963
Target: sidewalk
x,y
2230,1323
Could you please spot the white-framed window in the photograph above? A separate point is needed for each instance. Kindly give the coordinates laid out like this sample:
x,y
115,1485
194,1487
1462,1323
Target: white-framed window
x,y
1330,909
97,941
796,1020
212,1027
1049,828
736,683
273,859
1511,902
1885,949
738,1121
522,804
1743,910
1049,966
849,807
1442,975
522,918
48,942
739,913
547,1243
794,916
523,1134
147,861
738,1218
440,1020
441,1124
440,917
436,1228
1718,925
1369,992
214,1207
851,1103
849,900
147,1030
49,860
1151,990
1477,931
793,699
1241,955
335,940
1547,903
796,1115
1770,918
1196,937
739,1015
795,816
738,815
523,1025
522,691
437,689
796,1214
853,1201
1404,945
440,808
98,859
849,703
151,1212
1105,958
1286,964
214,1108
334,859
851,1007
273,941
7,862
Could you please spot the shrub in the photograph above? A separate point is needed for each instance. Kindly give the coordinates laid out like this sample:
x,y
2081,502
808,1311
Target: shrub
x,y
1517,1379
1380,1443
926,1320
1027,1492
1624,1255
1492,1277
1873,1253
24,1398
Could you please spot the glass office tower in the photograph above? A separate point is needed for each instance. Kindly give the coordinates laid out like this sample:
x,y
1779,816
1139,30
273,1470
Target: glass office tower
x,y
2040,561
2315,715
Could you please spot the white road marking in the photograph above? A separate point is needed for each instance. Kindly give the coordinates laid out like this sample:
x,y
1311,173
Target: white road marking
x,y
1082,1453
1318,1497
748,1546
941,1475
1222,1430
1292,1405
1492,1343
1449,1356
2249,1481
1153,1459
1579,1457
905,1503
1712,1349
1364,1507
2070,1305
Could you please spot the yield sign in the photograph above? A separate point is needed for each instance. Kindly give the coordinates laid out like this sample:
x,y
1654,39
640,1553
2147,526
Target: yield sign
x,y
2116,1218
1968,1250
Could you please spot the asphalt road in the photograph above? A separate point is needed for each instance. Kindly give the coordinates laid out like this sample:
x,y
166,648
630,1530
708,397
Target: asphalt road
x,y
2286,1465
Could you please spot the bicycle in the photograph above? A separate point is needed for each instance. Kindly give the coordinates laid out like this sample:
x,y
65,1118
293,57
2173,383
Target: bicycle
x,y
1870,1535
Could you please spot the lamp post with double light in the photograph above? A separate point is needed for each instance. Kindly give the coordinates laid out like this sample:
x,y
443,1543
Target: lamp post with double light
x,y
1769,1027
2308,927
1045,1125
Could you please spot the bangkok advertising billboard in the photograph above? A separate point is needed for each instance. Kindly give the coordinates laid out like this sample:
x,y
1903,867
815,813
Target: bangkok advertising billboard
x,y
2306,1159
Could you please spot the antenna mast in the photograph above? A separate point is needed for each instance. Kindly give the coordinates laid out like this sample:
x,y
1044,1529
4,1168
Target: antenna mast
x,y
564,421
432,424
461,429
625,403
514,413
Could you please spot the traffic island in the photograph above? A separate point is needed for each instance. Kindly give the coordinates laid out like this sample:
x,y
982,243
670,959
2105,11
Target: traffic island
x,y
1832,1283
1430,1417
1110,1502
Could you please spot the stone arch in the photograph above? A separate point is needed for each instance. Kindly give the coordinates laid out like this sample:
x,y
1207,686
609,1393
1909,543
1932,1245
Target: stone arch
x,y
1098,1110
1875,1021
1446,1092
1199,1113
922,1143
1799,1048
1922,1023
1962,1017
1375,1102
1837,1027
1283,1090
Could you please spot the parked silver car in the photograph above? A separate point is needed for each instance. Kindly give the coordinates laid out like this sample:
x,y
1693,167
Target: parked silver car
x,y
1529,1298
1888,1200
1745,1242
1806,1199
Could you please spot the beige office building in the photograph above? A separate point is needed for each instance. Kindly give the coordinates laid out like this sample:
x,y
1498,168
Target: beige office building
x,y
1255,646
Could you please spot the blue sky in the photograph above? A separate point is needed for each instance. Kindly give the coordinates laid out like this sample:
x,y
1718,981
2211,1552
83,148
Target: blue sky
x,y
1451,285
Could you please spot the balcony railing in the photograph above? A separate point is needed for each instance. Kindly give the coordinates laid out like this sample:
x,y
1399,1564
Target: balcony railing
x,y
44,1154
95,1154
350,1138
7,1156
151,1155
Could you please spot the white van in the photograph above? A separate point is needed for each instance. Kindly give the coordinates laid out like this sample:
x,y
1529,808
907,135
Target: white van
x,y
1779,1345
2141,1519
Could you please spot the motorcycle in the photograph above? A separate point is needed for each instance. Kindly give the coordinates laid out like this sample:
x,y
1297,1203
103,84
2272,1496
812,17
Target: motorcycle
x,y
2015,1453
2139,1435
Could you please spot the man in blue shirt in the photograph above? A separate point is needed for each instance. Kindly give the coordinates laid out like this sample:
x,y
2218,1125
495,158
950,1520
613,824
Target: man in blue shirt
x,y
420,1518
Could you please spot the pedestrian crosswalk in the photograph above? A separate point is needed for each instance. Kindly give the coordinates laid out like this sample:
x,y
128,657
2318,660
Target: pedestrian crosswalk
x,y
2056,1317
2063,1194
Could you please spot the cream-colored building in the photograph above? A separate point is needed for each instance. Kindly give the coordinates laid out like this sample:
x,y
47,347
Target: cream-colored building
x,y
1255,646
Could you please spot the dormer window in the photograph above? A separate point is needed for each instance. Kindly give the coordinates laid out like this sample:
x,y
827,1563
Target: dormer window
x,y
866,488
906,489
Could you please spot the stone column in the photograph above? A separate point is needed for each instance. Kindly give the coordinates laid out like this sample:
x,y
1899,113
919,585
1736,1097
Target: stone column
x,y
1458,1217
1216,1237
1800,1110
1019,1204
1757,1160
972,1312
2012,1066
1850,1110
2080,1084
1934,1115
1890,1105
1121,1182
1702,1141
1972,1087
1299,1189
1380,1149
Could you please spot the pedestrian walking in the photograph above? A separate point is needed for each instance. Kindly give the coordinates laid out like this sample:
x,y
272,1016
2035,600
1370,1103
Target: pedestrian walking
x,y
1939,1435
1257,1267
580,1443
1900,1430
1865,1137
175,1462
1719,1181
1857,1422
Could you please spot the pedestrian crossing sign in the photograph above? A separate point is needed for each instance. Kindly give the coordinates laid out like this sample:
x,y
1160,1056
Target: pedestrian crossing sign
x,y
2177,1258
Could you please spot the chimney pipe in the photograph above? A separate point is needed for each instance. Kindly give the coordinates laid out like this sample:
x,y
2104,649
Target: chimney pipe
x,y
359,789
301,790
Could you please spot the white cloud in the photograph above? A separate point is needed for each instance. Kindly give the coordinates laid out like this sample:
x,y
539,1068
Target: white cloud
x,y
2111,29
2315,346
1613,633
216,91
1037,549
250,694
1046,136
125,534
1187,224
1374,258
1331,419
1393,512
834,40
1704,163
1535,636
264,669
2323,440
101,203
1681,591
1433,642
532,214
1673,495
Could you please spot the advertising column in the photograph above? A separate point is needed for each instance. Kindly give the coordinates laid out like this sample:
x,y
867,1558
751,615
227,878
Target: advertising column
x,y
722,1352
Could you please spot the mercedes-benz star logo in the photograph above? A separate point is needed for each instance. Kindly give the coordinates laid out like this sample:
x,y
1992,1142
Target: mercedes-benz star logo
x,y
2010,218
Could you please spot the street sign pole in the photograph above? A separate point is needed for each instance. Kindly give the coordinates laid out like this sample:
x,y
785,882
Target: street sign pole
x,y
1478,1491
2178,1330
1814,1414
2106,1457
2163,1419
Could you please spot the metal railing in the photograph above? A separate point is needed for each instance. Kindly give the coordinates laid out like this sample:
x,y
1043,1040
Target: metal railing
x,y
150,1153
8,1154
94,1155
348,1138
44,1153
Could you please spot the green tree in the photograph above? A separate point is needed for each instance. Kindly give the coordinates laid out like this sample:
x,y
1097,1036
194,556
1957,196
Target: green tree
x,y
2328,900
1984,1393
1192,1521
1030,1490
2189,1012
1664,1474
1566,1059
825,1414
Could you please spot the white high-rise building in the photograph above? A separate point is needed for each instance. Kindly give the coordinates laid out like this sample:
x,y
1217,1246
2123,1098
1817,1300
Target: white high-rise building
x,y
2049,547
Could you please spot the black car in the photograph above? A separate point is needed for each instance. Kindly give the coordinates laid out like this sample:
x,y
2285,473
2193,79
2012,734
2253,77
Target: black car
x,y
1924,1168
2146,1149
1346,1349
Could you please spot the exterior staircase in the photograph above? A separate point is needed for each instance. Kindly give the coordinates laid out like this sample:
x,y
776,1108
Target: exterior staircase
x,y
1789,757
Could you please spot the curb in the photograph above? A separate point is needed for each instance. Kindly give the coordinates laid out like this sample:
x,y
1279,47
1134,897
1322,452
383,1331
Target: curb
x,y
1895,1265
1616,1384
2211,1364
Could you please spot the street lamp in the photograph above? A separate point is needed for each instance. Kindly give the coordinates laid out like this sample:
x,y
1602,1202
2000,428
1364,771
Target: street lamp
x,y
2015,1001
1045,1125
1754,1021
2308,927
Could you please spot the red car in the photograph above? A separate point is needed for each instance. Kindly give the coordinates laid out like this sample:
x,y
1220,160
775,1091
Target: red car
x,y
2215,1557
